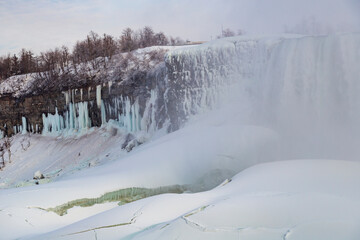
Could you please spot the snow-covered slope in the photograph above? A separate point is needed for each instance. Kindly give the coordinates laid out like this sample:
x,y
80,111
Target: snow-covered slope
x,y
293,200
20,85
192,156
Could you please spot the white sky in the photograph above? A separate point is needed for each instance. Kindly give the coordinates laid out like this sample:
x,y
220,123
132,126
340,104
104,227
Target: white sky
x,y
43,24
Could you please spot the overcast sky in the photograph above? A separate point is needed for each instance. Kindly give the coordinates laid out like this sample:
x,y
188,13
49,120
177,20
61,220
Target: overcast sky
x,y
43,24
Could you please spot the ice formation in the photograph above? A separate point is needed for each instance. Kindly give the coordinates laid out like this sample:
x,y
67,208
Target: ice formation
x,y
98,95
296,84
306,88
24,125
129,116
281,98
77,118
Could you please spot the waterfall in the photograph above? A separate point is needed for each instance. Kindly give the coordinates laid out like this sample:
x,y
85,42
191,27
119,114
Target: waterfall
x,y
305,88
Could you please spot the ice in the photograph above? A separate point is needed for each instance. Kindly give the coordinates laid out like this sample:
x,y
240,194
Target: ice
x,y
52,123
304,87
103,114
24,125
83,119
98,96
148,121
245,105
76,118
67,97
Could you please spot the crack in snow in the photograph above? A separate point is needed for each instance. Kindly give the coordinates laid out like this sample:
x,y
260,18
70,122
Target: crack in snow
x,y
132,221
205,228
95,234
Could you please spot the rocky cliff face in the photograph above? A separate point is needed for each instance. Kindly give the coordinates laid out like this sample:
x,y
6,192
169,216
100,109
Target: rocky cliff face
x,y
188,81
56,111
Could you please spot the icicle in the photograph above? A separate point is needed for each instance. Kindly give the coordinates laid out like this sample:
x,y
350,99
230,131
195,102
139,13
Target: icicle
x,y
103,113
148,120
67,97
127,114
89,92
83,119
109,85
52,123
72,116
98,95
24,125
73,96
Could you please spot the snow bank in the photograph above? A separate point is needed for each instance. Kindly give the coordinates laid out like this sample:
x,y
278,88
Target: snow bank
x,y
302,199
182,157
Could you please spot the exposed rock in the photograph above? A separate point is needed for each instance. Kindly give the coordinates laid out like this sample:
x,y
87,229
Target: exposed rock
x,y
129,137
38,175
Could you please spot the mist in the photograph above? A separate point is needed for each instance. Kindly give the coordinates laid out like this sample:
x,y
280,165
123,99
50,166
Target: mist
x,y
305,89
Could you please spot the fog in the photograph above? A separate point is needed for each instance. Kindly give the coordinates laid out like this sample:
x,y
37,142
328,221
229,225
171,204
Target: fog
x,y
305,89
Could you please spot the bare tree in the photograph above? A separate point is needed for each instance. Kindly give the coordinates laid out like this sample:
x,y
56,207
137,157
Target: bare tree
x,y
147,38
128,40
5,66
61,68
226,33
176,41
109,46
64,59
15,66
160,39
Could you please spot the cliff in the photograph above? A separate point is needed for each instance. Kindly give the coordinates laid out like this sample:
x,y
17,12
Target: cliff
x,y
192,79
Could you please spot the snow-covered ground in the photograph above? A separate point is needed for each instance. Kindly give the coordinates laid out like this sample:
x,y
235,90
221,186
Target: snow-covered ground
x,y
228,174
190,156
294,200
20,85
298,199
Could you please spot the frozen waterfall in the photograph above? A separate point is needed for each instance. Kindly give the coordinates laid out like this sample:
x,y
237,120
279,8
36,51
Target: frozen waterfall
x,y
305,88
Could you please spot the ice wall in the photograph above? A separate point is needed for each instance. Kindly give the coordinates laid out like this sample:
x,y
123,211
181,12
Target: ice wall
x,y
201,77
305,88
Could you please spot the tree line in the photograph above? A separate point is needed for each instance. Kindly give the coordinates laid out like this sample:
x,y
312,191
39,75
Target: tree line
x,y
95,50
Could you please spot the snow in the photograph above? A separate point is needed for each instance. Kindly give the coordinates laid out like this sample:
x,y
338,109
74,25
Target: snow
x,y
203,154
282,109
21,85
250,207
